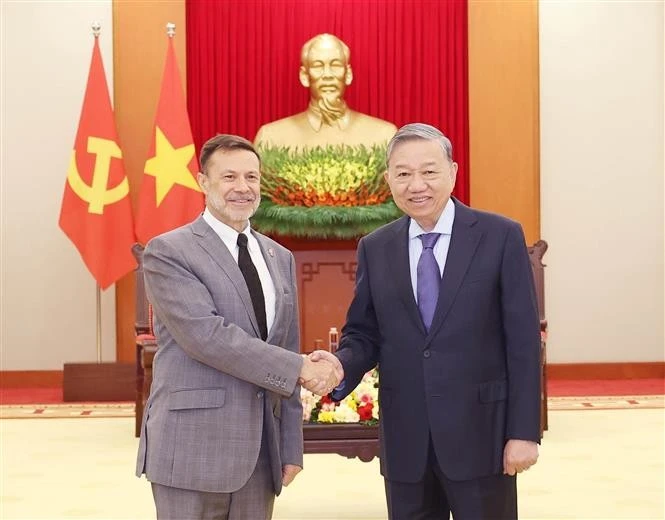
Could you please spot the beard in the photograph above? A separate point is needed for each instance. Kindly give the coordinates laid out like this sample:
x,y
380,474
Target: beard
x,y
232,215
331,108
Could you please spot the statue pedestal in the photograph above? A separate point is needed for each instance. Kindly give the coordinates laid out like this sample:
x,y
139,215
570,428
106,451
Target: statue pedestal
x,y
326,271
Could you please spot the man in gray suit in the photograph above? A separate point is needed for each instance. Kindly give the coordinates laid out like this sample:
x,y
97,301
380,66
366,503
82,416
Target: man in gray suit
x,y
222,430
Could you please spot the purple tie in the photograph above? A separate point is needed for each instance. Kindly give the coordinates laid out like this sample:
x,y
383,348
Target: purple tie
x,y
429,279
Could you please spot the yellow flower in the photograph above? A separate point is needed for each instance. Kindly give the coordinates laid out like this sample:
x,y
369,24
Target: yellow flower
x,y
350,401
326,416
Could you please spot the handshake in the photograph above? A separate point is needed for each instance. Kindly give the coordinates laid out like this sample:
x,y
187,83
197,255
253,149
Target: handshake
x,y
321,372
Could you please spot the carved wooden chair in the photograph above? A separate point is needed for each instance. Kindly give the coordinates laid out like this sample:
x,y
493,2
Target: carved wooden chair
x,y
146,344
536,253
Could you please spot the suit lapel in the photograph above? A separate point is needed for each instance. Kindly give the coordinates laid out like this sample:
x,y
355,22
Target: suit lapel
x,y
463,244
210,241
271,261
397,248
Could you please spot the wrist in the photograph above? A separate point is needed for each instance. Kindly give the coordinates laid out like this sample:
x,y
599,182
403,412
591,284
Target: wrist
x,y
305,367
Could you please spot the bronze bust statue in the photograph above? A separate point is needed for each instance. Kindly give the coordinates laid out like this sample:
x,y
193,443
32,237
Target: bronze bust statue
x,y
326,71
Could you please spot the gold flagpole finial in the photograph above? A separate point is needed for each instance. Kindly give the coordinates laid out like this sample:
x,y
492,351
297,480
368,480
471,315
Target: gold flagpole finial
x,y
96,29
170,29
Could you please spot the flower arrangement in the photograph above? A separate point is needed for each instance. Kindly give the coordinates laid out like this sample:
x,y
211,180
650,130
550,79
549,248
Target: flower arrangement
x,y
324,192
360,406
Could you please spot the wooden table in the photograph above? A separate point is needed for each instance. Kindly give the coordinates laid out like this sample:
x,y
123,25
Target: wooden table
x,y
348,440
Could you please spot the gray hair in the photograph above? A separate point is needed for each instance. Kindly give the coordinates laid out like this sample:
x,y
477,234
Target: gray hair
x,y
415,131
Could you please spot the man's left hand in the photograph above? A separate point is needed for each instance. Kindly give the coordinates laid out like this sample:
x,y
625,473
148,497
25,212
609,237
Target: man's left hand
x,y
518,456
289,472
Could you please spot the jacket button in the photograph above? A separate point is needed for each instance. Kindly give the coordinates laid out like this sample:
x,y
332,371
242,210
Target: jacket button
x,y
426,353
259,395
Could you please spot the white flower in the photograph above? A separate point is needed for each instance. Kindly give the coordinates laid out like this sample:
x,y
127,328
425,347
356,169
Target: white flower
x,y
309,401
344,414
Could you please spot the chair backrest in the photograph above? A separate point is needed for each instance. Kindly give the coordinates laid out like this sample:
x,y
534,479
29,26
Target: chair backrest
x,y
536,253
142,324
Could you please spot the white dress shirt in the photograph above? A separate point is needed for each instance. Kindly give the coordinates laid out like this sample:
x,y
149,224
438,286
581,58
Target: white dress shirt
x,y
444,226
230,238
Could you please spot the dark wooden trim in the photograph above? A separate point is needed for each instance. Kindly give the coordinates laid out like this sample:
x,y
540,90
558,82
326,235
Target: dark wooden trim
x,y
310,244
317,432
30,378
648,370
96,382
348,440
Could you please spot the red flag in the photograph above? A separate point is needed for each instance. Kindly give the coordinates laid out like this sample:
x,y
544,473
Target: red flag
x,y
170,195
96,212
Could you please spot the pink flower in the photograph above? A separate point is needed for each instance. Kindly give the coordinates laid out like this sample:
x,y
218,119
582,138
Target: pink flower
x,y
365,398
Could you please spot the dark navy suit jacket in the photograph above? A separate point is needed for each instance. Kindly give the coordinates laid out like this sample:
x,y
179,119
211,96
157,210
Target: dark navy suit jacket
x,y
473,382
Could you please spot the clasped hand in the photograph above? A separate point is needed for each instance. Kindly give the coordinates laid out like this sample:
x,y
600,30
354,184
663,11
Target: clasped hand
x,y
321,372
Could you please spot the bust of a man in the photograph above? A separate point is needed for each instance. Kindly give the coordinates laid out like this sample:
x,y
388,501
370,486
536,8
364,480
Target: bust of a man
x,y
326,72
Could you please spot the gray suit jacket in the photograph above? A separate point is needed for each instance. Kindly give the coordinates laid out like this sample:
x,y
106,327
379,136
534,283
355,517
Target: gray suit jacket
x,y
216,385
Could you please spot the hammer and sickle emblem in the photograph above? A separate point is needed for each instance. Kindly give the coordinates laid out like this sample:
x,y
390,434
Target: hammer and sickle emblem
x,y
97,195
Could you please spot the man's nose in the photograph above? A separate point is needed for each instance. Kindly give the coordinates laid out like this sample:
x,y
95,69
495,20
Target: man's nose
x,y
327,71
241,184
417,183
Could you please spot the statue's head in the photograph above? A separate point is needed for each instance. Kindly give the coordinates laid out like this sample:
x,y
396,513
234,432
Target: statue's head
x,y
325,70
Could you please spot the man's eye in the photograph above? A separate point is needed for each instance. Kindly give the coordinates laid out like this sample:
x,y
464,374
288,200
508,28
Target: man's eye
x,y
402,174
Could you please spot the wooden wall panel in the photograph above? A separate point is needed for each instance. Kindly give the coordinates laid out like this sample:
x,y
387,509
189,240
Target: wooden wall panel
x,y
504,135
325,287
139,50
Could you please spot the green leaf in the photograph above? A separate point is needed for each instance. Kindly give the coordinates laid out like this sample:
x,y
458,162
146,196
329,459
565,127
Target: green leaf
x,y
340,222
322,173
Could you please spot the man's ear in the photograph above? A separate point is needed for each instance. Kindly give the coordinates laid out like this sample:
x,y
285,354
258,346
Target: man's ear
x,y
385,175
453,172
348,77
304,77
202,179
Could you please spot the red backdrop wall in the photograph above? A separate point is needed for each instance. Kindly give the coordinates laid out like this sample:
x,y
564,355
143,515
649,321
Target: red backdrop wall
x,y
409,59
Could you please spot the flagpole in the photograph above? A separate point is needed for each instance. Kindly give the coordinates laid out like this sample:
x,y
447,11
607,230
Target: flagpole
x,y
96,29
99,324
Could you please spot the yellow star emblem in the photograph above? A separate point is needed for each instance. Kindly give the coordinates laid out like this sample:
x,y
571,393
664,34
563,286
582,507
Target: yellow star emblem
x,y
169,166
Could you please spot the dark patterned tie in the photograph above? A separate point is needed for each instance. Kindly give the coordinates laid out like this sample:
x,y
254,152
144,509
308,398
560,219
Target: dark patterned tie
x,y
429,279
253,281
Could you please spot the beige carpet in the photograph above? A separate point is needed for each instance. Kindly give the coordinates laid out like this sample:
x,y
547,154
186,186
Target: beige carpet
x,y
601,464
80,410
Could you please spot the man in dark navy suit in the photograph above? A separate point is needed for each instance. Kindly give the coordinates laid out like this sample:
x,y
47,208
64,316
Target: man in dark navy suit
x,y
445,304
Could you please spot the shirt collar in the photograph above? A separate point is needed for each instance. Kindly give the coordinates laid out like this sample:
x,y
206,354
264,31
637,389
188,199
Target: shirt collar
x,y
316,121
228,235
444,225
